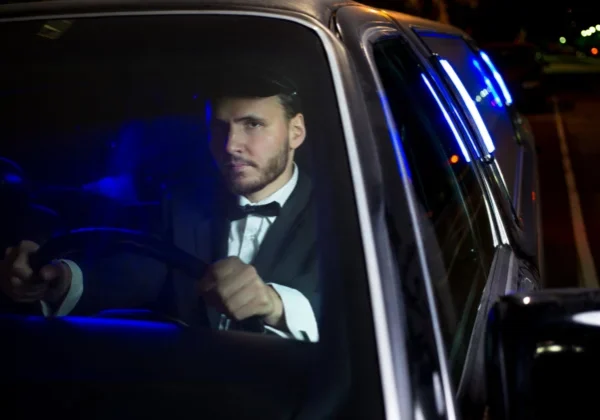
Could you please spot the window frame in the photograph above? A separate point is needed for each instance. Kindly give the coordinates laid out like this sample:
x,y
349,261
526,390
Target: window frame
x,y
508,208
462,197
365,345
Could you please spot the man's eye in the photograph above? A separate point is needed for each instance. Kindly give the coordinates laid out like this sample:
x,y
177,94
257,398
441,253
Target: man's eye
x,y
253,124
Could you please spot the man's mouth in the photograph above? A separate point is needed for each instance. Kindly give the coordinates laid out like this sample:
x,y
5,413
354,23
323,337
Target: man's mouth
x,y
238,164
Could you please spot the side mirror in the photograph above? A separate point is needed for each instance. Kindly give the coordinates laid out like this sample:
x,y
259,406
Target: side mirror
x,y
543,355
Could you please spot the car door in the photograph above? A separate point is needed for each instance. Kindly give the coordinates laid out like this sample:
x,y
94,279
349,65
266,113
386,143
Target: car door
x,y
509,151
465,258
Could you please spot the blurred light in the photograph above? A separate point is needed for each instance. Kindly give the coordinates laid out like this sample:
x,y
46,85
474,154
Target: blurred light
x,y
54,29
588,318
526,300
461,145
583,33
507,97
490,87
92,324
591,30
396,140
483,131
454,159
562,39
594,51
12,179
119,188
557,348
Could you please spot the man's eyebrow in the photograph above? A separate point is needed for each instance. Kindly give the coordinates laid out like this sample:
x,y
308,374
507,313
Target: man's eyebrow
x,y
249,117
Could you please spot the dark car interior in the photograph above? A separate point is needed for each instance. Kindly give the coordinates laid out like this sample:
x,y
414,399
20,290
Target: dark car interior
x,y
100,125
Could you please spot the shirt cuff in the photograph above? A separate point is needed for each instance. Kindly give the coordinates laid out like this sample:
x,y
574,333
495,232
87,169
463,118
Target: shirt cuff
x,y
73,295
299,315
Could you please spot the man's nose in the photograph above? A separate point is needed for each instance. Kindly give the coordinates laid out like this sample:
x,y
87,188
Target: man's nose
x,y
234,142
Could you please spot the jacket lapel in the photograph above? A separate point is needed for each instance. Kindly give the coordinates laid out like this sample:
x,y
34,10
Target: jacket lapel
x,y
275,241
207,239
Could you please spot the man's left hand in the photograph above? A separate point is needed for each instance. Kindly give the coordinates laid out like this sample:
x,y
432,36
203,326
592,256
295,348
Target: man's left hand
x,y
236,289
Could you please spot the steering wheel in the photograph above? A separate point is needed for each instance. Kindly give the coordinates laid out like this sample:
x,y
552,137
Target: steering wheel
x,y
124,240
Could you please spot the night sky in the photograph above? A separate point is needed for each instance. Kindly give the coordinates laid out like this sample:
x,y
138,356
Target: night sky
x,y
501,20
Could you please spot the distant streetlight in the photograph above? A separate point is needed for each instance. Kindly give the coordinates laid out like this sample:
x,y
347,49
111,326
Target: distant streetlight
x,y
598,27
562,40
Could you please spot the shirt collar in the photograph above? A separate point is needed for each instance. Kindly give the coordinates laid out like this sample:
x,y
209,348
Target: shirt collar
x,y
280,196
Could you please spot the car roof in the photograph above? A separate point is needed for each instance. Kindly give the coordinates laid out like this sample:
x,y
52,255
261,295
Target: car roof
x,y
318,9
321,10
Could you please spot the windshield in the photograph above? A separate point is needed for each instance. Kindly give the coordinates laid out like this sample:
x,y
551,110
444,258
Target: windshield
x,y
139,152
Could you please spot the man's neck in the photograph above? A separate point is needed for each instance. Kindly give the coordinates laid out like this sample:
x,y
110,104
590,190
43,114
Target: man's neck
x,y
273,187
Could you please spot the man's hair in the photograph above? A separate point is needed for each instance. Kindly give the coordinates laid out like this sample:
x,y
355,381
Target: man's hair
x,y
290,104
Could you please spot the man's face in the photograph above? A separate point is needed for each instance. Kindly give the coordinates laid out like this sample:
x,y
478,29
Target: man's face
x,y
253,143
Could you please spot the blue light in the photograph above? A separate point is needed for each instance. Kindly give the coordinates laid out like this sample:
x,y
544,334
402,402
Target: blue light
x,y
498,77
106,229
396,141
207,112
12,179
97,323
463,149
12,164
489,84
470,104
45,209
119,188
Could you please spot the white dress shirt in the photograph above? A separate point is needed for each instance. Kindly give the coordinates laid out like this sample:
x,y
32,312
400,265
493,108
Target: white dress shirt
x,y
245,238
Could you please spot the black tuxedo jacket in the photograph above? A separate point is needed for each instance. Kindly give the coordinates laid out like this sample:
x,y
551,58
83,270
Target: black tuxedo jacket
x,y
287,256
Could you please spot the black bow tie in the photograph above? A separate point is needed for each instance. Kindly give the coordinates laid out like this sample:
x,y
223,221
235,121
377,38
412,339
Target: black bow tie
x,y
266,210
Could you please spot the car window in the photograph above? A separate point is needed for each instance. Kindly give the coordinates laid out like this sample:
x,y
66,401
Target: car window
x,y
488,97
193,135
457,231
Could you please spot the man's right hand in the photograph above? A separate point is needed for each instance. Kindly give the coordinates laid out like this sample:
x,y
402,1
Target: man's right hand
x,y
18,281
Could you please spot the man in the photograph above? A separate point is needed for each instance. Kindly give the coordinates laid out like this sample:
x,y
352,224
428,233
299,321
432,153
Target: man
x,y
261,238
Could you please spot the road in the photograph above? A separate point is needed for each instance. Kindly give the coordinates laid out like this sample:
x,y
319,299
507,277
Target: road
x,y
570,199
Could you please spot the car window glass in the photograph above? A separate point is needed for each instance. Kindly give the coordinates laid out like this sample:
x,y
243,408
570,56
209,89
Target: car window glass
x,y
457,228
131,126
486,94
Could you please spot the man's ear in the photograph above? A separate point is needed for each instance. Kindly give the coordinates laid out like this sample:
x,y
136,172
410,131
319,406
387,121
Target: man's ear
x,y
297,131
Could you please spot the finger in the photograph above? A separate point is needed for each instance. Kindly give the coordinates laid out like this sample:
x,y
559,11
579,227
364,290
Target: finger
x,y
25,274
246,275
21,263
22,292
10,255
240,299
18,283
226,266
256,306
28,295
28,247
